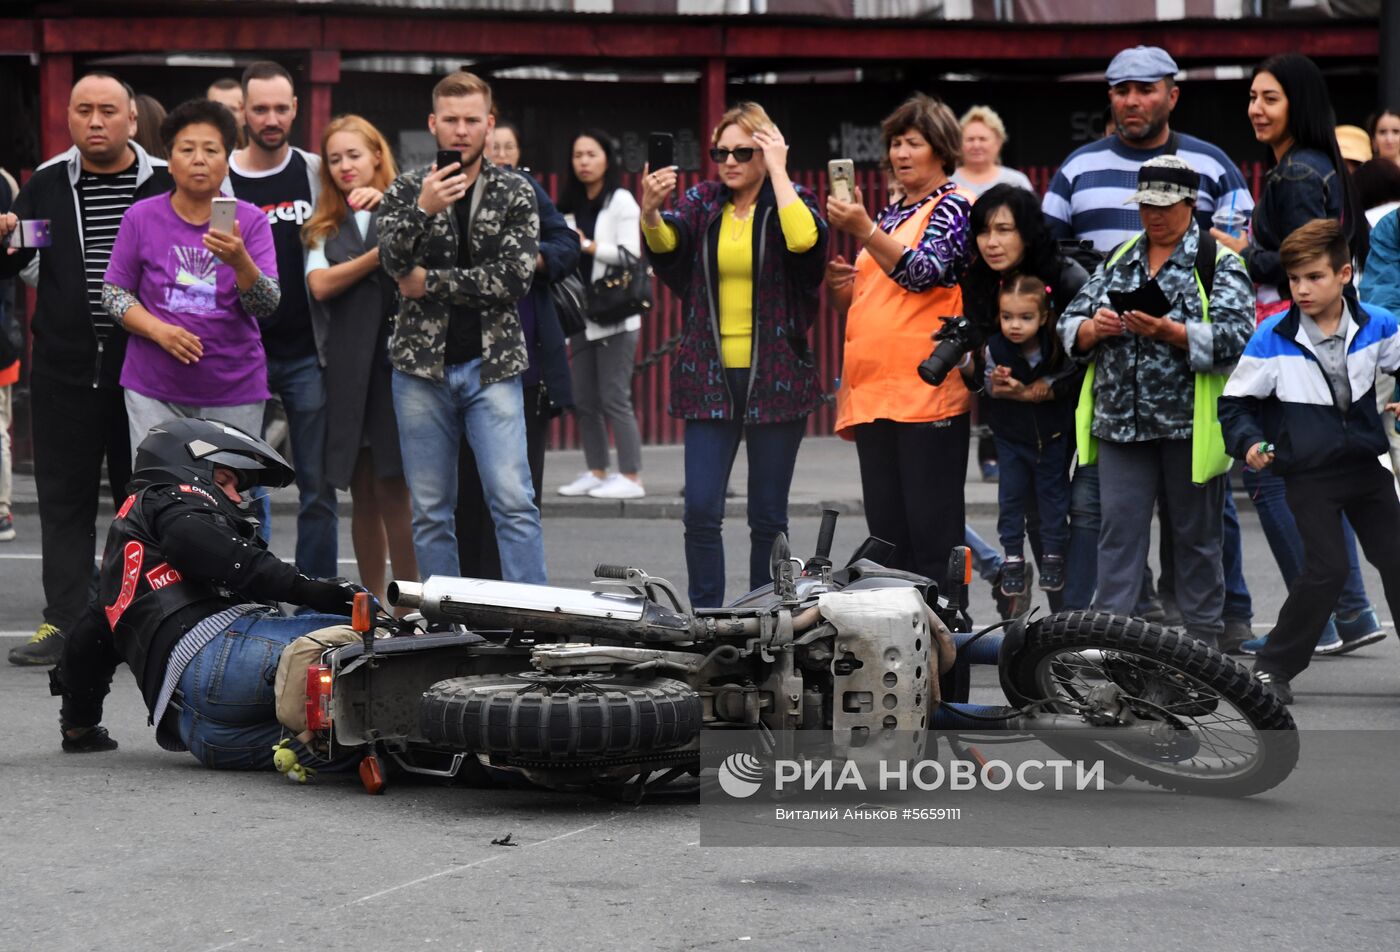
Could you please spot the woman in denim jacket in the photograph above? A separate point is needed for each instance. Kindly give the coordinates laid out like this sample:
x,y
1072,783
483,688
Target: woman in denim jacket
x,y
1292,115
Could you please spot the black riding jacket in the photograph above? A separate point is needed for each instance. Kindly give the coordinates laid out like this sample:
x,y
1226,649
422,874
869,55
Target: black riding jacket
x,y
175,555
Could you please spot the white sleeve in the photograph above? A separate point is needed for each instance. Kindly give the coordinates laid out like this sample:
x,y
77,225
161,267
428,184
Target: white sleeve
x,y
625,216
316,257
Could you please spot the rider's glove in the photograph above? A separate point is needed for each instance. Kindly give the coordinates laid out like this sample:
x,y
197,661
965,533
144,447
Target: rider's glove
x,y
329,596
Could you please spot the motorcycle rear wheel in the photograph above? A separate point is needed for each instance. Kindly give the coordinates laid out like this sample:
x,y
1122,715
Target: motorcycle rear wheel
x,y
537,716
1227,734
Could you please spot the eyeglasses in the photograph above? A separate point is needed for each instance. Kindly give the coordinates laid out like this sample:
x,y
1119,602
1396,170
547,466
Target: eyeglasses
x,y
742,154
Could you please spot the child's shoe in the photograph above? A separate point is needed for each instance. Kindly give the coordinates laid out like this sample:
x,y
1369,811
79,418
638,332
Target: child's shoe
x,y
1052,573
1013,577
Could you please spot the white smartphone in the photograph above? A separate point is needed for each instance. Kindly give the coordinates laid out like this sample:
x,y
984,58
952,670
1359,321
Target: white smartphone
x,y
841,174
223,215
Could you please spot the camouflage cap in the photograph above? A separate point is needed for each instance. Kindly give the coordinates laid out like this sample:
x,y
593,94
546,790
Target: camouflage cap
x,y
1164,181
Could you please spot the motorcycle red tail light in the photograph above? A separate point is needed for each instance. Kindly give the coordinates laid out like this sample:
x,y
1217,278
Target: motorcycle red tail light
x,y
318,697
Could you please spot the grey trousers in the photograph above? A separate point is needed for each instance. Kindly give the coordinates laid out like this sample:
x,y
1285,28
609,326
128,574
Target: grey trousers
x,y
1129,474
602,372
144,412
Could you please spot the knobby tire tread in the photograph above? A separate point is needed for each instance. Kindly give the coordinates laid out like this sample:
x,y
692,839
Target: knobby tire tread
x,y
508,716
1265,712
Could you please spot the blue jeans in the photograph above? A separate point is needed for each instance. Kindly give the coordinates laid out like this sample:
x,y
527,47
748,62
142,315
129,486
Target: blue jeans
x,y
1266,489
228,713
1239,606
433,418
1026,472
710,449
301,386
986,559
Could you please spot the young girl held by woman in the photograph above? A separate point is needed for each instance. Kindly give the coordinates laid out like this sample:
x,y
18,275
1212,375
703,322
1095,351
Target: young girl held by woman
x,y
1032,384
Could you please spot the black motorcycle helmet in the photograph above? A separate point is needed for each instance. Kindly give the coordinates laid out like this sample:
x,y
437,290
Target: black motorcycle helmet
x,y
189,450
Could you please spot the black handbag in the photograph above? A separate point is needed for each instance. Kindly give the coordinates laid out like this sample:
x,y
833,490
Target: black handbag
x,y
623,290
571,302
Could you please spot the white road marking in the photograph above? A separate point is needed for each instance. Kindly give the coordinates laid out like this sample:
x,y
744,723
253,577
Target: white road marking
x,y
456,869
504,854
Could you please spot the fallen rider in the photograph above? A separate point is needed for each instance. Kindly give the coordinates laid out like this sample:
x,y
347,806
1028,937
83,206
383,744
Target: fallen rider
x,y
188,599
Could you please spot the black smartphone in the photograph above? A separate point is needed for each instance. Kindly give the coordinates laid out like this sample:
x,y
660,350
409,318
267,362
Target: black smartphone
x,y
661,151
446,157
1147,298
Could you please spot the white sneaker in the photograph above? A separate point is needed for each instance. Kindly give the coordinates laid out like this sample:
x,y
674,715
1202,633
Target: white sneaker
x,y
618,486
581,486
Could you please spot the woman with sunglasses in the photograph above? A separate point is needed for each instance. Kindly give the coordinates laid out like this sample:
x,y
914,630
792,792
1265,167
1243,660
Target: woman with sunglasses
x,y
746,253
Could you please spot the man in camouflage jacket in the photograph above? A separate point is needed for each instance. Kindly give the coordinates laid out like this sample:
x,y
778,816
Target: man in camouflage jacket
x,y
447,382
1142,400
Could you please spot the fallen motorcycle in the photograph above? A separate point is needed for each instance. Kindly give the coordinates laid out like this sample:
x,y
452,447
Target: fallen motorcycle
x,y
577,688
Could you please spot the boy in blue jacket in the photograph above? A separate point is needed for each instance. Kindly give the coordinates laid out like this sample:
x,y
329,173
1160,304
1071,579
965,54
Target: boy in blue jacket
x,y
1302,400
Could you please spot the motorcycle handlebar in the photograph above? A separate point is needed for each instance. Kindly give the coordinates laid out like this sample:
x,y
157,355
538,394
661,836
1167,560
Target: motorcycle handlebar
x,y
826,534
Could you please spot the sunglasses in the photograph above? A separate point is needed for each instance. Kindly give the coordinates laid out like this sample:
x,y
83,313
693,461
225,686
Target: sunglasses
x,y
743,154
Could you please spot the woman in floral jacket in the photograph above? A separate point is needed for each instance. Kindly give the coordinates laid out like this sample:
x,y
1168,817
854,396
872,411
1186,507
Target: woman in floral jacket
x,y
746,254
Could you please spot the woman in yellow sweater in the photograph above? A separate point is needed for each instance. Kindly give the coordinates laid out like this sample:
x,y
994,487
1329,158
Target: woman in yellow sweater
x,y
746,254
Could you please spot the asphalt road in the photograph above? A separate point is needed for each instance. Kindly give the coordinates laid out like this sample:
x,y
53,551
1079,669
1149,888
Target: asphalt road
x,y
142,849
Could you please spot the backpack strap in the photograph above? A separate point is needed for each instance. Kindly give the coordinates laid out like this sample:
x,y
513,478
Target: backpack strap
x,y
1207,251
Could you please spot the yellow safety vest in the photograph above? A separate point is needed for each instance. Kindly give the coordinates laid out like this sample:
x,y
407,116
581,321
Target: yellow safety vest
x,y
1208,456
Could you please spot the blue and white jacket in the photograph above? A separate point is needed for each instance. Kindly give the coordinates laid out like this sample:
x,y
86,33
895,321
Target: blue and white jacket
x,y
1278,393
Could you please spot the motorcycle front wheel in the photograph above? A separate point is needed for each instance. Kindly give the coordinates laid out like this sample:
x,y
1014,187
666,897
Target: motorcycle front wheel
x,y
1218,730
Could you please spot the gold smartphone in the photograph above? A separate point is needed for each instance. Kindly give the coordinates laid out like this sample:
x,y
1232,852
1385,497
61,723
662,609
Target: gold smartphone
x,y
841,176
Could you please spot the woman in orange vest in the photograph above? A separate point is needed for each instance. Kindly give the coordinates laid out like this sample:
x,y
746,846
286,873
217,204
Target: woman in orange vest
x,y
911,438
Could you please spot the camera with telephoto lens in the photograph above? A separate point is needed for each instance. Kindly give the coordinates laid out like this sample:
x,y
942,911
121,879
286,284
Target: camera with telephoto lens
x,y
955,338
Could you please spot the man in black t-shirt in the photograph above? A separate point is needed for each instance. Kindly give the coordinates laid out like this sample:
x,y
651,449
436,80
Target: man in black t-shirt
x,y
284,181
77,410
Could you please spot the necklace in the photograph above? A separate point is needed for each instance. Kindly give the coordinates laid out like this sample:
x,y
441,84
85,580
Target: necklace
x,y
740,221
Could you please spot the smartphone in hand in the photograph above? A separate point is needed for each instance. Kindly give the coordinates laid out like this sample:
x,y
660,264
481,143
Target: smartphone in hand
x,y
224,213
31,233
446,157
841,178
661,151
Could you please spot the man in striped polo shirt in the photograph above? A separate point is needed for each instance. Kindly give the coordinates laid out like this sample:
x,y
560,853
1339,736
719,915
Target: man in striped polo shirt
x,y
77,410
1087,196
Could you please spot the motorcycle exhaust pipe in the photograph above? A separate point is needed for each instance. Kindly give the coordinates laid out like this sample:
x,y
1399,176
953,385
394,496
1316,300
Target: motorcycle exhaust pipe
x,y
488,604
406,595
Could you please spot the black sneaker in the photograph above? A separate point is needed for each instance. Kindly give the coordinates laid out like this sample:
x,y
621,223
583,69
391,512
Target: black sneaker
x,y
1013,578
1171,611
1278,684
1052,573
91,741
44,648
1237,632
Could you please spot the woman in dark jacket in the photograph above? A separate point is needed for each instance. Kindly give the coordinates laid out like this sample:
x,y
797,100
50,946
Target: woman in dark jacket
x,y
746,254
1292,115
1012,238
357,299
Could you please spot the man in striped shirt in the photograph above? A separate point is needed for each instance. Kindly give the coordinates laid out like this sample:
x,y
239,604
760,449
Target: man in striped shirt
x,y
1087,196
77,409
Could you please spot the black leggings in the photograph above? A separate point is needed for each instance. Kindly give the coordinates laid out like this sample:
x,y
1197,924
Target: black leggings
x,y
912,477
